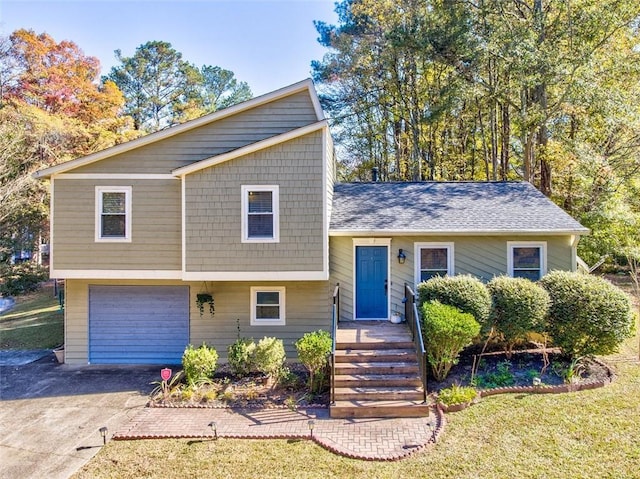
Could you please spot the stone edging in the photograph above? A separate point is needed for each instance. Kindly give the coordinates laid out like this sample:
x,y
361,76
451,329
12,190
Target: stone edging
x,y
546,389
151,404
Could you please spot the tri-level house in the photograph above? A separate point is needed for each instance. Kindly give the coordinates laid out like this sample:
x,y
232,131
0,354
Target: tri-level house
x,y
243,205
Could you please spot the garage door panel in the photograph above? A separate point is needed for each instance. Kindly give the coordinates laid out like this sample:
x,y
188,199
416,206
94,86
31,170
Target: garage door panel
x,y
138,324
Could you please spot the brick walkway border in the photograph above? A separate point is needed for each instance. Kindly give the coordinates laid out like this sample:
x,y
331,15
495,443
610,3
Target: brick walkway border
x,y
369,439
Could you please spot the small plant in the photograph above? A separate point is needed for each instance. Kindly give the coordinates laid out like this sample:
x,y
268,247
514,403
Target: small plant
x,y
270,357
313,351
205,298
199,363
501,377
570,373
210,395
457,394
241,356
446,332
166,388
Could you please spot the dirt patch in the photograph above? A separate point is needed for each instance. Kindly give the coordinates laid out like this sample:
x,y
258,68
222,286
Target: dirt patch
x,y
524,368
253,391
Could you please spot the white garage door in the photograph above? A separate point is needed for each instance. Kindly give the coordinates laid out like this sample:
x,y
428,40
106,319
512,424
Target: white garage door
x,y
138,324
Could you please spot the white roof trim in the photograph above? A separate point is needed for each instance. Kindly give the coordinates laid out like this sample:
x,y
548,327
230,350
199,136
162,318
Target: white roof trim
x,y
252,148
457,232
190,125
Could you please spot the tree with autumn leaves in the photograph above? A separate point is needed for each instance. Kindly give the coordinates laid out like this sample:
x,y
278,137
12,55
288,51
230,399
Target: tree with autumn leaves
x,y
54,106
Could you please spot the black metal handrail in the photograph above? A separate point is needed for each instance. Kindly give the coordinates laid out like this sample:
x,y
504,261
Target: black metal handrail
x,y
413,320
335,317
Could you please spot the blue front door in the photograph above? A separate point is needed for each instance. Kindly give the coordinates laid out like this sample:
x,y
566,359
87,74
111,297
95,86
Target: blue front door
x,y
371,282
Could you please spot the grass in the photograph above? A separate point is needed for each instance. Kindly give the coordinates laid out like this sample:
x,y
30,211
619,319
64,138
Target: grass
x,y
576,435
36,322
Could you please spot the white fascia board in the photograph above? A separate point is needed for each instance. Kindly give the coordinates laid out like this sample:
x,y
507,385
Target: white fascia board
x,y
114,176
252,148
256,276
457,233
115,274
190,125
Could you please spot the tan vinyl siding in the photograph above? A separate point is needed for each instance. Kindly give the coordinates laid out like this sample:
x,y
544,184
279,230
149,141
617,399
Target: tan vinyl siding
x,y
481,256
214,213
156,226
221,136
307,309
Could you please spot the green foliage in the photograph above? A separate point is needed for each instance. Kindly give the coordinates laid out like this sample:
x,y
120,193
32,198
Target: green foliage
x,y
501,377
465,292
519,307
270,357
456,394
446,331
241,356
199,363
21,278
313,351
588,315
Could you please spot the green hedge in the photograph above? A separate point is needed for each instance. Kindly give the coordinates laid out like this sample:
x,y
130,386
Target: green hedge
x,y
446,331
588,314
465,292
199,363
21,278
519,307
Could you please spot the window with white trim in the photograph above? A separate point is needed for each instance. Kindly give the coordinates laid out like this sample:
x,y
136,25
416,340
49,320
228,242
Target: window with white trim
x,y
113,213
527,259
267,306
433,259
260,214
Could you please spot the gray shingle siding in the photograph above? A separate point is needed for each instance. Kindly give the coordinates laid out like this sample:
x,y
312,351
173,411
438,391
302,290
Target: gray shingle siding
x,y
460,207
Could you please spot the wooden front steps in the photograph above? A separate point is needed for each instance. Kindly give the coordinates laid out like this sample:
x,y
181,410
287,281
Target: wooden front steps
x,y
376,372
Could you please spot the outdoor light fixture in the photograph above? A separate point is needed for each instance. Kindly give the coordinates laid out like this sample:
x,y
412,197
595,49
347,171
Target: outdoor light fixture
x,y
401,256
214,428
311,424
103,432
537,382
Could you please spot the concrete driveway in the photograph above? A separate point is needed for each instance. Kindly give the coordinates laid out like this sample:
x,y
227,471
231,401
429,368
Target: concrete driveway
x,y
50,413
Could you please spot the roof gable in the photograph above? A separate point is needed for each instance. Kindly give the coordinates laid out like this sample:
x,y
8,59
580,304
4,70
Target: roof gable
x,y
306,85
447,207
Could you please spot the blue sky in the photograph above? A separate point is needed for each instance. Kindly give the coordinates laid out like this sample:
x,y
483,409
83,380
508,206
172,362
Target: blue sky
x,y
267,43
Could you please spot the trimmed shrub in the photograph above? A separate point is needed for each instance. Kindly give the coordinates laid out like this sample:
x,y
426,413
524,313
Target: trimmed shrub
x,y
313,351
588,315
270,357
456,394
199,363
519,306
241,356
465,292
446,331
21,278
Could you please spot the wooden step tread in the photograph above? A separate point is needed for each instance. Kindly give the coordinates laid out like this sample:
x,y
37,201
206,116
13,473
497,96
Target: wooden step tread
x,y
379,393
375,389
382,345
372,409
375,352
377,380
377,364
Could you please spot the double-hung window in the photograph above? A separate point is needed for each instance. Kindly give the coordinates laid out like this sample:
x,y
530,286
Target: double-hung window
x,y
260,214
527,259
267,306
113,213
433,259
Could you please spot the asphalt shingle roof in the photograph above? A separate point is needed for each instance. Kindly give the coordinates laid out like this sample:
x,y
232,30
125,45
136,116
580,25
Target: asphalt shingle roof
x,y
453,207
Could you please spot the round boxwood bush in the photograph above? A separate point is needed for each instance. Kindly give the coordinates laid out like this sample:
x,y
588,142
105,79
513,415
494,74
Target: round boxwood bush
x,y
313,352
199,363
518,307
241,356
465,292
270,357
588,315
446,331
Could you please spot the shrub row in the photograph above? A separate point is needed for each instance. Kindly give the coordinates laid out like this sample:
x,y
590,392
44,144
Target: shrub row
x,y
583,315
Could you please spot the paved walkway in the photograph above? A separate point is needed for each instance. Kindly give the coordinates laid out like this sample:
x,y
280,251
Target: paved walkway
x,y
368,439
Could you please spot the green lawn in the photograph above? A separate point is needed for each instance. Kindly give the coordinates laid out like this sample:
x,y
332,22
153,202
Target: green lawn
x,y
577,435
36,322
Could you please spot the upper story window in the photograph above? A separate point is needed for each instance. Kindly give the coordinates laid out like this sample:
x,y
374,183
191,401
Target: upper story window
x,y
260,214
113,213
433,259
268,306
527,259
